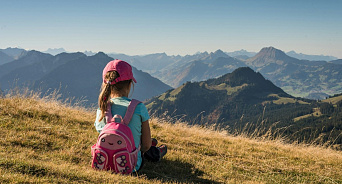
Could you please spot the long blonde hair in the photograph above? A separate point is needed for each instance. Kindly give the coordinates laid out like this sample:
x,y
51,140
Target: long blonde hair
x,y
108,89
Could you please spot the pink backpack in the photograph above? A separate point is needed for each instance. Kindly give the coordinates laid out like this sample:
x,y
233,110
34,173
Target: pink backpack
x,y
115,149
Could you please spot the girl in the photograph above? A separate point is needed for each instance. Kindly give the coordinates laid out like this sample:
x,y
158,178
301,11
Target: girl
x,y
117,81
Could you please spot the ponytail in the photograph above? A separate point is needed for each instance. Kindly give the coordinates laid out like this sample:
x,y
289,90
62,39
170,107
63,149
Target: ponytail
x,y
103,99
107,89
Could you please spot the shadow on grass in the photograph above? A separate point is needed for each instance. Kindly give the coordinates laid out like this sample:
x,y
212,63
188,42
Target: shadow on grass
x,y
173,171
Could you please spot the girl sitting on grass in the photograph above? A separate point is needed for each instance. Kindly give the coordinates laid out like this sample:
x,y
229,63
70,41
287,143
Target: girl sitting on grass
x,y
117,81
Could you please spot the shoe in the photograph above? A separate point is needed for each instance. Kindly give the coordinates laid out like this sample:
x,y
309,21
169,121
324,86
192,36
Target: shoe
x,y
162,150
154,142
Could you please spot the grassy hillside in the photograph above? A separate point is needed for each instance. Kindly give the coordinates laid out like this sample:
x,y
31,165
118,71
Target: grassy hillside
x,y
43,141
334,100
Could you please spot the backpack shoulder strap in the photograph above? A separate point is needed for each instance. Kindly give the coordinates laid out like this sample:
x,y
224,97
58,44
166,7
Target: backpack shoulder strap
x,y
108,113
130,111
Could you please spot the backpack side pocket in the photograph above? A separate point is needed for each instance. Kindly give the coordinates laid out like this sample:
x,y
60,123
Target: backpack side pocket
x,y
134,156
123,162
100,158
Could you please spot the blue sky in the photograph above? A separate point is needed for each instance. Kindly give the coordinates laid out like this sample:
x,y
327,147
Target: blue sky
x,y
175,27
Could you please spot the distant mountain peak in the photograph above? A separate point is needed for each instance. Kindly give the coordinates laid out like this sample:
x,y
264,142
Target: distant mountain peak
x,y
89,53
74,53
160,55
54,51
293,52
243,70
157,54
62,57
100,54
240,76
219,51
240,53
271,52
214,55
269,55
15,53
199,53
35,53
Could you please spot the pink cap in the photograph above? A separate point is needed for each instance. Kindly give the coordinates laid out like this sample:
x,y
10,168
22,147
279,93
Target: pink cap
x,y
123,68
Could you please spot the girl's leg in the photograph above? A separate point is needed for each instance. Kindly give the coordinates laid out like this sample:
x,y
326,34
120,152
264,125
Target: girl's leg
x,y
155,154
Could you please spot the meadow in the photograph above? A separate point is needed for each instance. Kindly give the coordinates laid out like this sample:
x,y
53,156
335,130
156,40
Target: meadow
x,y
46,141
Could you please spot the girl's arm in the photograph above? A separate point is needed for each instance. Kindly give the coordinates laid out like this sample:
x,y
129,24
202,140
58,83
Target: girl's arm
x,y
145,136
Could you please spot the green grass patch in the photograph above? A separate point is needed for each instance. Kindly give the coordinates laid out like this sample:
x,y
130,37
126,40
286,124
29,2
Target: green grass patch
x,y
316,113
230,90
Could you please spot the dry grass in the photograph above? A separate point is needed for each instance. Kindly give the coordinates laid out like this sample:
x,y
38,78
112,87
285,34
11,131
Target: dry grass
x,y
44,141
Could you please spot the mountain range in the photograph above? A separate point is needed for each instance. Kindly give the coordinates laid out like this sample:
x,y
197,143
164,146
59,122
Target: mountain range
x,y
10,54
30,58
244,54
237,54
310,57
297,73
74,75
298,77
245,102
301,78
15,53
210,66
